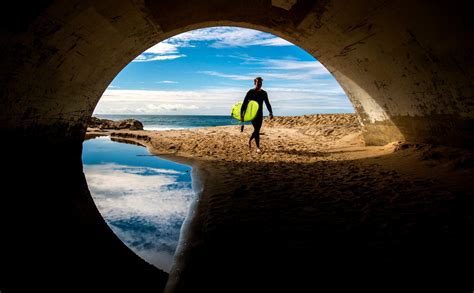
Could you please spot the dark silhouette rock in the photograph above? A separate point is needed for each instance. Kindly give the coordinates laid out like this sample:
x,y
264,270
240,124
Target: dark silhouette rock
x,y
131,124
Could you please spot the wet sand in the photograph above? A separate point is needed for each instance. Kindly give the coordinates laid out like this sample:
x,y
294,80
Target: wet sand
x,y
318,209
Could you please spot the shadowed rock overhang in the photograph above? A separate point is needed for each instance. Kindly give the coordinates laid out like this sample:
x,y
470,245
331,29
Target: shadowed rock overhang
x,y
407,67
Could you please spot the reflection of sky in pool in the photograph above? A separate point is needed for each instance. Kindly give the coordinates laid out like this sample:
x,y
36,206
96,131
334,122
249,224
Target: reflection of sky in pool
x,y
143,198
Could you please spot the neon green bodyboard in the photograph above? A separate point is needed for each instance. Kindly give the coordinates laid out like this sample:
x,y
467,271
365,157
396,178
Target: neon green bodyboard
x,y
250,112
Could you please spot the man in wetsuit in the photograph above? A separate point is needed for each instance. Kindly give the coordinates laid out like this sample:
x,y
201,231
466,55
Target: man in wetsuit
x,y
260,96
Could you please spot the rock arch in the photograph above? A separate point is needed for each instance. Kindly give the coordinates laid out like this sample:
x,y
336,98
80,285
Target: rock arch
x,y
407,67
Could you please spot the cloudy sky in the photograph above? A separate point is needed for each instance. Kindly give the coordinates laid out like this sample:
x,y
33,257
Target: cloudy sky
x,y
206,71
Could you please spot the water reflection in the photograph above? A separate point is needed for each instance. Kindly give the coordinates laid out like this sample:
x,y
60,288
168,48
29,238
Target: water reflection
x,y
144,199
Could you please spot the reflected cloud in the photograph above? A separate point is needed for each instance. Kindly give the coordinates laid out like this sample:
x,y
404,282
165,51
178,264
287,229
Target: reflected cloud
x,y
145,207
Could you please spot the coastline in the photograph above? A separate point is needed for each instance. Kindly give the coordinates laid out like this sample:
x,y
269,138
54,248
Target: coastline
x,y
315,180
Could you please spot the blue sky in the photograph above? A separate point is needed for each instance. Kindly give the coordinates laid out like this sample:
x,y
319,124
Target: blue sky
x,y
206,71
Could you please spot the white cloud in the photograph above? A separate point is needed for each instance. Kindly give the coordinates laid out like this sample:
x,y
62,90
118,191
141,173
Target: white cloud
x,y
266,75
277,69
221,37
160,51
314,67
151,57
285,75
170,107
163,48
315,87
230,76
207,101
289,69
274,42
313,96
167,81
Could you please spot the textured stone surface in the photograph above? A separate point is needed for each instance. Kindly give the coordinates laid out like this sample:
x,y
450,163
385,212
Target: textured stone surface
x,y
407,66
389,62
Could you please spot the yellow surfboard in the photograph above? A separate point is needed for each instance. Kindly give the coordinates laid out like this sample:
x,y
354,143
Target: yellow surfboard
x,y
250,112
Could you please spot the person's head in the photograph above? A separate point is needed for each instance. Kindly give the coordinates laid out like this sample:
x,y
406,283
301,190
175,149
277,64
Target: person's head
x,y
258,81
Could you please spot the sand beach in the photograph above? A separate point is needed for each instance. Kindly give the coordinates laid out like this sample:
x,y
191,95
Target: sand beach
x,y
316,206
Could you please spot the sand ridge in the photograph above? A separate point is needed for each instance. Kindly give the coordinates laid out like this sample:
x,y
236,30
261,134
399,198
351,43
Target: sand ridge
x,y
284,139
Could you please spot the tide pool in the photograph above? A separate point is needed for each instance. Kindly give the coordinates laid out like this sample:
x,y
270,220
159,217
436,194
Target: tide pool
x,y
144,199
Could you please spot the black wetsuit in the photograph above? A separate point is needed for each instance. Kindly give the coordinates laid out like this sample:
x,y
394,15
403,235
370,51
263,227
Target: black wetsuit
x,y
259,97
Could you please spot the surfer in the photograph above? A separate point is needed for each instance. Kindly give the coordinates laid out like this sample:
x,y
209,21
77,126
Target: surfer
x,y
260,96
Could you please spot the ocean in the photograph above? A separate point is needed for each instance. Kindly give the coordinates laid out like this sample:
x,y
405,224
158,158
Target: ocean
x,y
166,122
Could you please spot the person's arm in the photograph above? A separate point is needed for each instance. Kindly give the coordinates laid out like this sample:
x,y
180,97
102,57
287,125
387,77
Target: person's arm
x,y
267,103
244,106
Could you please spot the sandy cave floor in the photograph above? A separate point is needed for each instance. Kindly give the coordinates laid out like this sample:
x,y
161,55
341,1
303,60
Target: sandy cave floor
x,y
315,193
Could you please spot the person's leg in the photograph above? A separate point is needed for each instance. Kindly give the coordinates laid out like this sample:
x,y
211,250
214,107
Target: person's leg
x,y
256,133
252,136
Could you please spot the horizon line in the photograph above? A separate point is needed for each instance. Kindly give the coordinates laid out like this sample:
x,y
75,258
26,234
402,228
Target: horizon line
x,y
222,114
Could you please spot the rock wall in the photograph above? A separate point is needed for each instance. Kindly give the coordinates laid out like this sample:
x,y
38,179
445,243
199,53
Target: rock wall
x,y
407,66
404,82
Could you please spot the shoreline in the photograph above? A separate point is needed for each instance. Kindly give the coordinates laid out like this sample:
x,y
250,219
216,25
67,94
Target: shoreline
x,y
313,182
